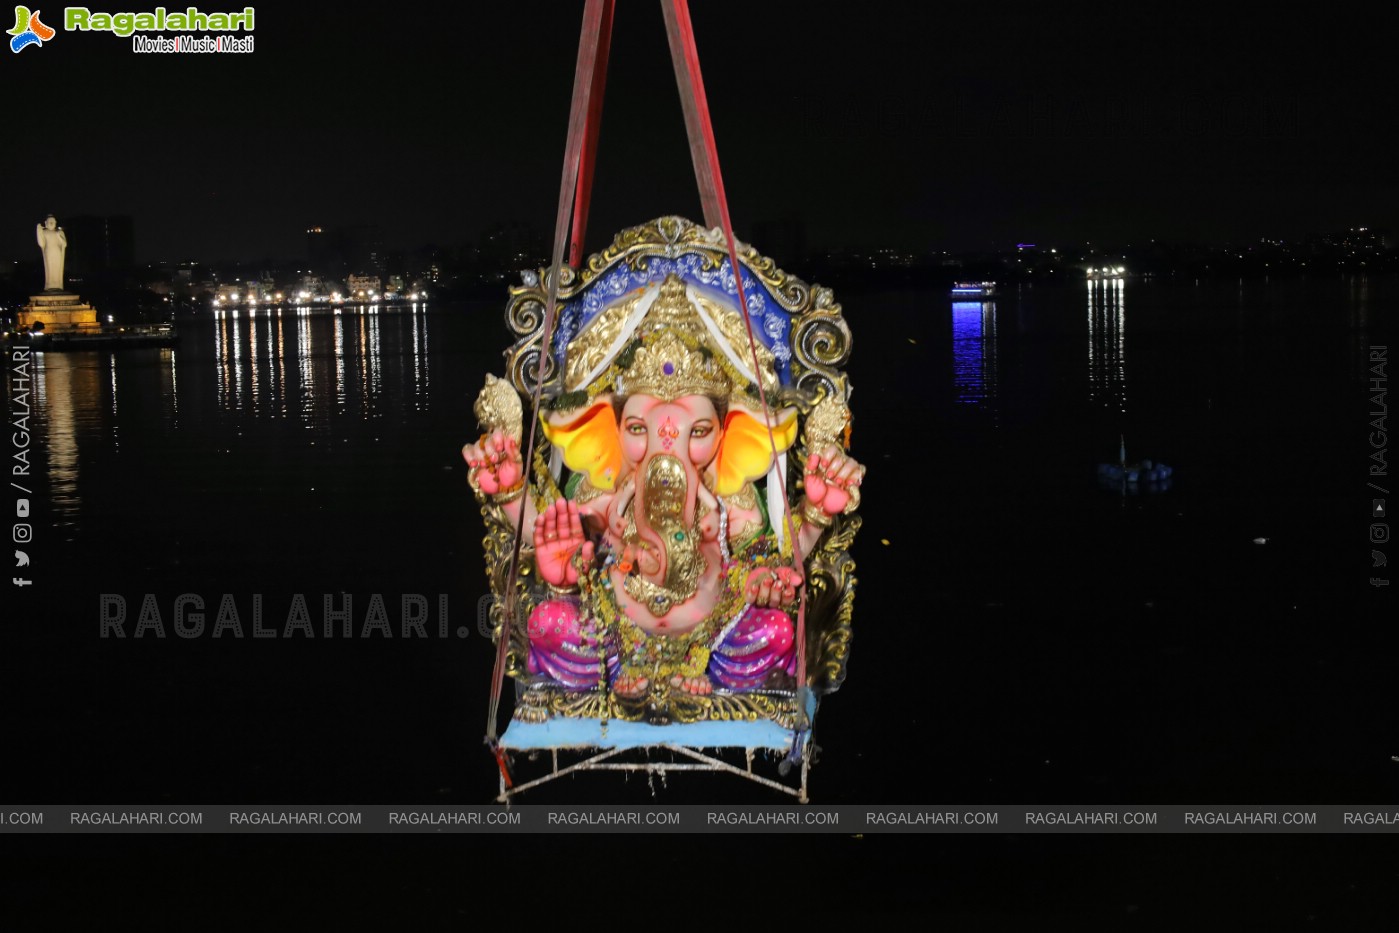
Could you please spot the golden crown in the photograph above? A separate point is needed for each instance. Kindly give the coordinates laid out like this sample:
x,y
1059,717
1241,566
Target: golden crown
x,y
666,366
672,310
669,363
678,355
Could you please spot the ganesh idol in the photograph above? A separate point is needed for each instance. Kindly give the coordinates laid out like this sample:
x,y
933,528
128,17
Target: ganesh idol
x,y
668,521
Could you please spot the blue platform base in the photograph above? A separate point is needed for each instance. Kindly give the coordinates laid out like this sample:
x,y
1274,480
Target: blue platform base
x,y
568,732
588,733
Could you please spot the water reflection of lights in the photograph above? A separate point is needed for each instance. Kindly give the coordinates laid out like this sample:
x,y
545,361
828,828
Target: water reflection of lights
x,y
67,389
221,358
112,367
420,360
303,364
1107,365
236,361
363,366
339,361
265,367
253,383
168,355
281,367
974,351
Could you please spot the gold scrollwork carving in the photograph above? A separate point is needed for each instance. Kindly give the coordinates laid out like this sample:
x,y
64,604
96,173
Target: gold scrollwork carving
x,y
820,338
539,702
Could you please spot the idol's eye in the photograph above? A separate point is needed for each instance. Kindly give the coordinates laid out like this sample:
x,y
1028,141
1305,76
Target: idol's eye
x,y
703,429
636,427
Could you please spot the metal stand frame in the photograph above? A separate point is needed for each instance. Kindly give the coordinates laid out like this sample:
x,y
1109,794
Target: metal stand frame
x,y
699,761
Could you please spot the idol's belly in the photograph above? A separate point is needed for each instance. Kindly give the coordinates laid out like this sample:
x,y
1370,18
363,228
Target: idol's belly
x,y
680,618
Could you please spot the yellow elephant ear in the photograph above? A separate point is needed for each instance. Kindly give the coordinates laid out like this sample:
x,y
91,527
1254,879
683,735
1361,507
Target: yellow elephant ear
x,y
590,444
745,452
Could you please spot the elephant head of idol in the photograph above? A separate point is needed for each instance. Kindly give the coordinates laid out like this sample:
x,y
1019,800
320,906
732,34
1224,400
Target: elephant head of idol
x,y
673,426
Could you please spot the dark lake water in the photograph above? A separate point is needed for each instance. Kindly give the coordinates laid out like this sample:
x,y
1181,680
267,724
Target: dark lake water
x,y
1022,634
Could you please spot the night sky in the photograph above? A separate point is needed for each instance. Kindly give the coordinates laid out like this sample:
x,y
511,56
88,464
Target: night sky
x,y
915,126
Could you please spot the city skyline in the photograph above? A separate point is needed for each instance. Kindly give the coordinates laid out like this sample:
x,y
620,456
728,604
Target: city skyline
x,y
362,249
959,130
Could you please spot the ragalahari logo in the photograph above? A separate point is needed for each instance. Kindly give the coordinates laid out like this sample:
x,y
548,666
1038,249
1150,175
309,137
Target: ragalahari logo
x,y
29,30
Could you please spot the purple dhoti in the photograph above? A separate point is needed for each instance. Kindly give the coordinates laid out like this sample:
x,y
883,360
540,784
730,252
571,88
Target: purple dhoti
x,y
559,648
762,642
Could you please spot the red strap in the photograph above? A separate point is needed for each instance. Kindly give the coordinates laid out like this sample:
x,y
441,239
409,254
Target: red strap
x,y
591,131
685,57
504,766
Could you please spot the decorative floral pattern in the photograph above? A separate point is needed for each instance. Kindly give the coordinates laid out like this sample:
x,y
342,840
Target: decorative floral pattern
x,y
771,323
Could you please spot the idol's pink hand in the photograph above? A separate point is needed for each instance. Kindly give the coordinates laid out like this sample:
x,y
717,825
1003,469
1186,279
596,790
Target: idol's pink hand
x,y
830,477
495,462
558,535
773,587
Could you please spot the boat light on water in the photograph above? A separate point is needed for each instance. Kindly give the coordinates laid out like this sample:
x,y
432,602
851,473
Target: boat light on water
x,y
1107,272
973,289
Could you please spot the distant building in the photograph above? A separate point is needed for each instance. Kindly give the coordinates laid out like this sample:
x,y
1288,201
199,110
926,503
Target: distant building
x,y
363,286
1369,239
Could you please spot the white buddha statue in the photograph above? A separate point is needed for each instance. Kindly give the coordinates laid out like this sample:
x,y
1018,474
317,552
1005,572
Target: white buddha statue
x,y
53,242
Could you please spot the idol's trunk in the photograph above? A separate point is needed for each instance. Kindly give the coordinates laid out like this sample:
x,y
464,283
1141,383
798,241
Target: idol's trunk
x,y
665,518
